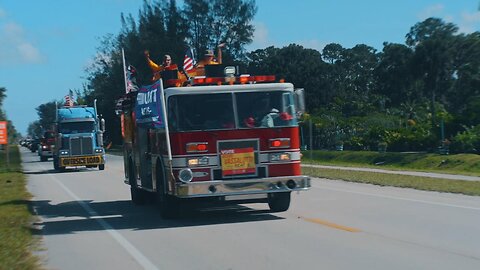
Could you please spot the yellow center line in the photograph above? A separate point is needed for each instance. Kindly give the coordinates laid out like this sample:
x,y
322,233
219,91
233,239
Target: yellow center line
x,y
330,224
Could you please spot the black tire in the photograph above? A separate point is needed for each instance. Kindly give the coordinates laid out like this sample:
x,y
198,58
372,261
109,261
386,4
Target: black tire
x,y
139,196
101,167
42,158
279,202
169,206
56,165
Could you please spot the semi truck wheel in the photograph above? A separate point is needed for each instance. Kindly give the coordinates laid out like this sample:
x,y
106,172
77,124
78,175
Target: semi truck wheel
x,y
279,202
101,167
42,158
55,164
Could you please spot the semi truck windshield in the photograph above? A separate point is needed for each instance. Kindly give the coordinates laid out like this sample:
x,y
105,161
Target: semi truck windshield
x,y
76,127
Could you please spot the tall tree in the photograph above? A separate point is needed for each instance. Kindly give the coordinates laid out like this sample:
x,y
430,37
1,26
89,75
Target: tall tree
x,y
219,21
394,76
433,41
46,114
34,129
296,64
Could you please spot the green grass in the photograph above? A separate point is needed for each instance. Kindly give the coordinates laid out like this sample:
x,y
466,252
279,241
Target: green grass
x,y
406,181
16,235
468,164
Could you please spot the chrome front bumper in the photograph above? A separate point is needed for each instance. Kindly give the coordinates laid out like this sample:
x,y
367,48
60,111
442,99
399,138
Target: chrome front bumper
x,y
242,187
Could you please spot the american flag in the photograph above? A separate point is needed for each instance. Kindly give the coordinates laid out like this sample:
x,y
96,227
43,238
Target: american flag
x,y
189,60
131,79
68,101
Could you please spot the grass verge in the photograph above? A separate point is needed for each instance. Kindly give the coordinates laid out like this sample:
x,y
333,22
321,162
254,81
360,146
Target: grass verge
x,y
16,234
406,181
467,164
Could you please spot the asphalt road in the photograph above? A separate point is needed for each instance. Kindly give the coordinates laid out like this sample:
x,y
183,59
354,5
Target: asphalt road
x,y
87,221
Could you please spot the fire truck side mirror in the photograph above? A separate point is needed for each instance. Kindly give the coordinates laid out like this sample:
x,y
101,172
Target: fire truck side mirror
x,y
299,101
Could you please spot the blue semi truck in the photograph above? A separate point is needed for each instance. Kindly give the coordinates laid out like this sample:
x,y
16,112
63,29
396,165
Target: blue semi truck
x,y
79,138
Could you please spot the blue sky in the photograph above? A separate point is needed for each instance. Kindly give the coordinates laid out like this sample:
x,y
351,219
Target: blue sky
x,y
45,45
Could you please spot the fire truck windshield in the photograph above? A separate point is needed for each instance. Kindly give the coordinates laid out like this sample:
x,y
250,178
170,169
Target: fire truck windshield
x,y
216,111
76,127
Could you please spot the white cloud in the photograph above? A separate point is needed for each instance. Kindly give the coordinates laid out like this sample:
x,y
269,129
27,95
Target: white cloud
x,y
29,53
313,44
15,48
469,22
431,11
261,40
260,37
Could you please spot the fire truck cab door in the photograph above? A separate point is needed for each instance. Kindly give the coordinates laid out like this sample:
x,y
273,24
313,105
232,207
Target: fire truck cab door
x,y
143,157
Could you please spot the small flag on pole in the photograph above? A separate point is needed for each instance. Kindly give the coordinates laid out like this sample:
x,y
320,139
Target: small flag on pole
x,y
129,73
68,101
189,60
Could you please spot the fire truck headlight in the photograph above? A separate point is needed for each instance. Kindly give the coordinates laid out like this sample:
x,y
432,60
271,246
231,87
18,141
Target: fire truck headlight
x,y
202,161
185,175
278,157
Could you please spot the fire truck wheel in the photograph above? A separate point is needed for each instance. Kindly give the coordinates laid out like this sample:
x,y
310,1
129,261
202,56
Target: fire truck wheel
x,y
139,197
169,206
101,167
279,202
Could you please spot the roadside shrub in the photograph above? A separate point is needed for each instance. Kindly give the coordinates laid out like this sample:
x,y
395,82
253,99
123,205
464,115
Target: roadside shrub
x,y
467,141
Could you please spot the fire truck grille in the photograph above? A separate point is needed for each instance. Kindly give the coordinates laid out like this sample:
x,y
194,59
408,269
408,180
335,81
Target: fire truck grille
x,y
81,146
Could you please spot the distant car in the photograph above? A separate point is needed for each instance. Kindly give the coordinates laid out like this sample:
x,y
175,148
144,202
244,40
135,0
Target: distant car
x,y
33,145
45,146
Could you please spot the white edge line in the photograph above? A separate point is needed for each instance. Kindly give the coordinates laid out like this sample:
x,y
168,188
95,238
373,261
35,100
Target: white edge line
x,y
134,252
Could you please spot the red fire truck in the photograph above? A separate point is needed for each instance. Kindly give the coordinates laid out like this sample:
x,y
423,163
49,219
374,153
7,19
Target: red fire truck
x,y
224,139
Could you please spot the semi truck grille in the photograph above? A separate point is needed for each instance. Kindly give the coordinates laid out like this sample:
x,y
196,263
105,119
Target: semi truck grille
x,y
65,143
81,146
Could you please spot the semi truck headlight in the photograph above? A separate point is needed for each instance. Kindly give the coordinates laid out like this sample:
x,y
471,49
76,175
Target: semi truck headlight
x,y
44,147
276,157
63,152
201,161
99,150
185,175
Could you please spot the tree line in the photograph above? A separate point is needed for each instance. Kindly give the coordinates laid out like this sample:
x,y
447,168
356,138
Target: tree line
x,y
419,95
